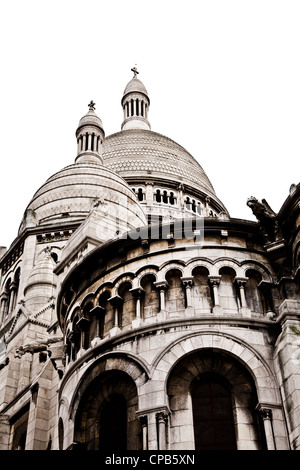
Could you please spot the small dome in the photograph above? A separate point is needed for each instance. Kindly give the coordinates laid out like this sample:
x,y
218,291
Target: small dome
x,y
90,119
135,86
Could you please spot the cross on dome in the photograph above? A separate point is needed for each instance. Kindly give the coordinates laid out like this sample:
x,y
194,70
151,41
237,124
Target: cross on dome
x,y
92,105
135,71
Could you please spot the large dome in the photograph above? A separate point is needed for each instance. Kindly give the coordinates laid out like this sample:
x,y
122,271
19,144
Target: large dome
x,y
145,155
70,194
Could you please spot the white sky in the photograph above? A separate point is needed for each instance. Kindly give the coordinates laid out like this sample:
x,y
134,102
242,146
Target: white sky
x,y
223,78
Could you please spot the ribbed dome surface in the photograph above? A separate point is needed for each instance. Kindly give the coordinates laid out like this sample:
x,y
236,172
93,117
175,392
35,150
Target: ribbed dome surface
x,y
135,85
90,118
69,195
143,153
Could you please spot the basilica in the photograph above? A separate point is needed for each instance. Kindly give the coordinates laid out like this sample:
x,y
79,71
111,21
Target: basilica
x,y
137,314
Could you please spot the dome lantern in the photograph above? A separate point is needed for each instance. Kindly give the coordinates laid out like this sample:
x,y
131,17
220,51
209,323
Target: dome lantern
x,y
90,135
135,103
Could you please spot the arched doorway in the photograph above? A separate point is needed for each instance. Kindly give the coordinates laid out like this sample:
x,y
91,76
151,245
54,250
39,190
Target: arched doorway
x,y
212,413
212,385
106,416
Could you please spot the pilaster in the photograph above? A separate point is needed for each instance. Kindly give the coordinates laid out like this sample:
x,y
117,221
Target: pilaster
x,y
287,365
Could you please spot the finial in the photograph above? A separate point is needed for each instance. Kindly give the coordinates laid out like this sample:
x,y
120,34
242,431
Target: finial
x,y
135,71
92,105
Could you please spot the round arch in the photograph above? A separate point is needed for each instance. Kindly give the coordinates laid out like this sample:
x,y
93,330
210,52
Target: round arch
x,y
168,266
256,266
264,379
106,416
132,366
214,421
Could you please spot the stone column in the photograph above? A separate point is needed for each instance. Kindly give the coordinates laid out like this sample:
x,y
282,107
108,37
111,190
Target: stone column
x,y
241,282
137,293
265,288
188,284
83,324
162,421
89,142
99,313
266,414
12,300
144,423
215,282
83,143
116,302
162,287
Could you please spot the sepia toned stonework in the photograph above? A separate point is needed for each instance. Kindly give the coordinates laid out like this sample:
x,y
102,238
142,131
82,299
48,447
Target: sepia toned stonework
x,y
136,314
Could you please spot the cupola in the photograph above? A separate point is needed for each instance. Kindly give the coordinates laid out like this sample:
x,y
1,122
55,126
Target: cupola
x,y
90,135
135,103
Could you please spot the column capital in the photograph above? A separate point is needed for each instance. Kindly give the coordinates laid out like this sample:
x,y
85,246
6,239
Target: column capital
x,y
187,281
143,419
214,280
266,413
161,285
137,292
241,281
162,416
116,301
83,323
13,285
98,310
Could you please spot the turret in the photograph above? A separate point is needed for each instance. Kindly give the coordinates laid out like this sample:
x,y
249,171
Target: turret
x,y
135,103
90,135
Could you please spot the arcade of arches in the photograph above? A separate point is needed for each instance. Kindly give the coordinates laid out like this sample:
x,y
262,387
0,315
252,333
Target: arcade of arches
x,y
212,400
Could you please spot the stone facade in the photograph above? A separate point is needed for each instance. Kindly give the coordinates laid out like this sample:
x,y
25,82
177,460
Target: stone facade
x,y
136,314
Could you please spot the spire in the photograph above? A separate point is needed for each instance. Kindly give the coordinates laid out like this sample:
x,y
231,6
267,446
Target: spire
x,y
135,103
90,135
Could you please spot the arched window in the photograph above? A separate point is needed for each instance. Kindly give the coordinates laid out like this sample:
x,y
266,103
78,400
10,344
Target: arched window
x,y
113,424
128,305
6,299
175,296
254,296
227,290
75,338
151,297
188,204
158,196
201,290
106,320
140,194
89,331
212,413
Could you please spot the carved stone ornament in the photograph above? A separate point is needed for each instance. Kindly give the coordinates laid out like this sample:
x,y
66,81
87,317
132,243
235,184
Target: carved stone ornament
x,y
267,219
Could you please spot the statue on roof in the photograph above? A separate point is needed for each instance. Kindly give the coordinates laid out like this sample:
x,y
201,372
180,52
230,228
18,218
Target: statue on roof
x,y
267,218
